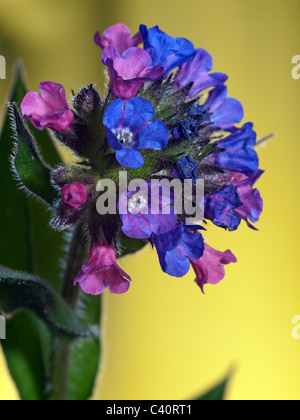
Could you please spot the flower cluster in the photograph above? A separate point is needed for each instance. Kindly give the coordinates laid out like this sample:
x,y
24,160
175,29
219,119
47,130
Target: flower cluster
x,y
166,116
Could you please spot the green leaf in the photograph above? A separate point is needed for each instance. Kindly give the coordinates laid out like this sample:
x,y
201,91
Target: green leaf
x,y
34,174
27,363
27,244
22,290
217,393
85,354
130,246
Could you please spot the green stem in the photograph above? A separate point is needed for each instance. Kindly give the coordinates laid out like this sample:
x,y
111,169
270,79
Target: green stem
x,y
70,293
61,343
60,362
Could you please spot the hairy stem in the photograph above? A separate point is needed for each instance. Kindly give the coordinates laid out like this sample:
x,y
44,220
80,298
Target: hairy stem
x,y
61,343
70,293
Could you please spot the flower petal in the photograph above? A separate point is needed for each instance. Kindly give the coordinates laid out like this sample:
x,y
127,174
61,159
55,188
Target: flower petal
x,y
154,135
238,152
118,36
130,158
165,50
50,109
210,267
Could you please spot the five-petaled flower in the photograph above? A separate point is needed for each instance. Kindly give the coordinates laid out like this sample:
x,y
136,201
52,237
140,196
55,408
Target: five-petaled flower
x,y
130,127
226,111
102,271
165,50
252,206
220,208
48,109
147,211
209,268
118,36
197,73
237,151
177,248
129,71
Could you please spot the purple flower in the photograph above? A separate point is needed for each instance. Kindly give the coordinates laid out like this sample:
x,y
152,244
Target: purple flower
x,y
197,72
237,151
129,128
226,111
177,248
102,271
74,195
129,71
165,50
48,109
252,202
118,36
209,268
148,211
220,208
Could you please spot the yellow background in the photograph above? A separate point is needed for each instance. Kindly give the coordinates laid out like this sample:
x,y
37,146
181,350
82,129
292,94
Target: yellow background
x,y
164,339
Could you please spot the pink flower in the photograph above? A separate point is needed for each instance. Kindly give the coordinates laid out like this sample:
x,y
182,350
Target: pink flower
x,y
253,204
209,268
130,70
102,271
48,109
74,195
118,36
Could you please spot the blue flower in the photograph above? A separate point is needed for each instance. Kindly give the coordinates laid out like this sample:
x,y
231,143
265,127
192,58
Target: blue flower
x,y
220,208
165,50
238,153
186,168
147,211
129,128
198,73
226,111
176,248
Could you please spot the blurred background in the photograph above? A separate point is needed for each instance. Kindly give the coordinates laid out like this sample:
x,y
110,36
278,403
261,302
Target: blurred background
x,y
164,339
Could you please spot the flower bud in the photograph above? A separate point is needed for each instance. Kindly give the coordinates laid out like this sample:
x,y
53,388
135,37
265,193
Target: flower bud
x,y
74,195
87,103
